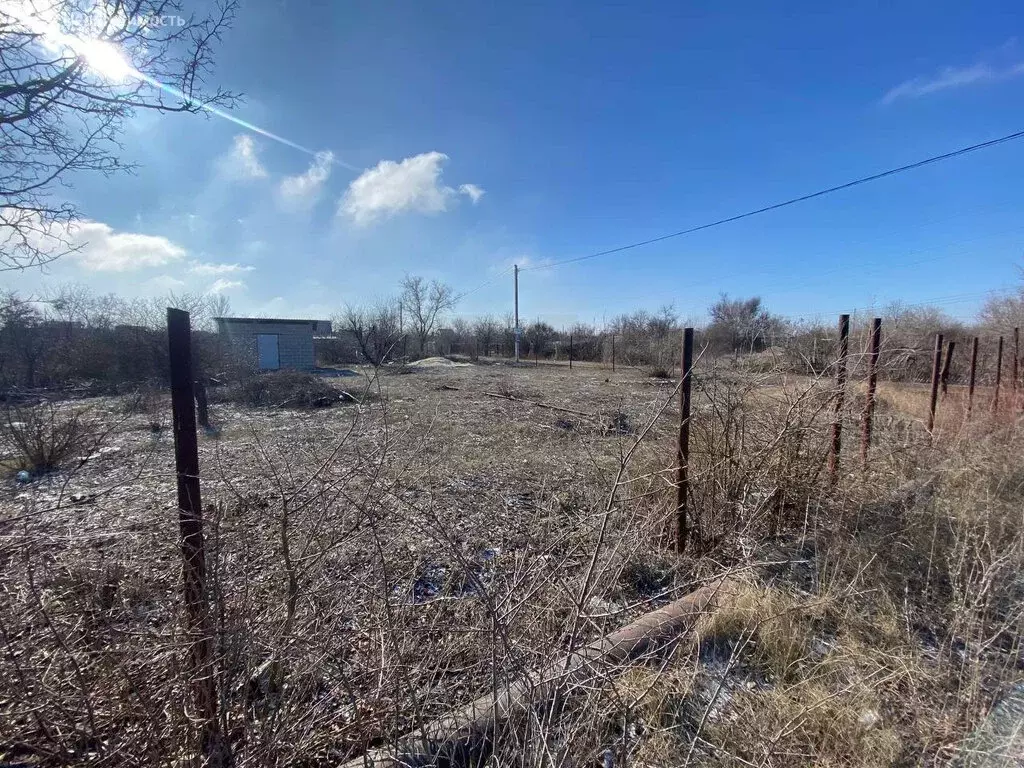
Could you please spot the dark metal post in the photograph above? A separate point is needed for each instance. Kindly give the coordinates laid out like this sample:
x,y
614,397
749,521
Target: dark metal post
x,y
190,521
683,447
515,268
999,375
202,403
1016,357
944,375
570,351
1016,368
971,376
613,353
869,402
837,423
936,367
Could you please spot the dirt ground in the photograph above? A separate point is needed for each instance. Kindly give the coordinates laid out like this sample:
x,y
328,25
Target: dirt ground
x,y
374,563
443,414
426,492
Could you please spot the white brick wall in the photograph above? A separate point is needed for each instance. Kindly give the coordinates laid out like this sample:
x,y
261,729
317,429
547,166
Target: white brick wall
x,y
294,344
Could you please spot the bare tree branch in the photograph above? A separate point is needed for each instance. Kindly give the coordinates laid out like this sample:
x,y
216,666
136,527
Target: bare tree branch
x,y
71,73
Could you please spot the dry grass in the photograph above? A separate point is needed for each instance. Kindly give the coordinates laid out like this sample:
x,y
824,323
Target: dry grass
x,y
373,565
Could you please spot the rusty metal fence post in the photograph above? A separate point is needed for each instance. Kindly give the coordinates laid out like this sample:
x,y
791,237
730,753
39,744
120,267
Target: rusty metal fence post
x,y
1016,358
971,375
946,363
999,375
190,522
683,446
869,402
837,423
936,368
1016,368
202,403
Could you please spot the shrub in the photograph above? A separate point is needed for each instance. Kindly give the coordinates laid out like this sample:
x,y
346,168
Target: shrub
x,y
280,389
44,437
147,400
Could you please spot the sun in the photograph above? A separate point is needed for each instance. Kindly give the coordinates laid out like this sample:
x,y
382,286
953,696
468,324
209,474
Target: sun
x,y
106,60
103,58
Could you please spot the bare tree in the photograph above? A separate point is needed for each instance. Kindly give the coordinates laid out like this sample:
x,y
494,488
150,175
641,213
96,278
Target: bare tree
x,y
375,329
71,304
71,73
464,339
424,303
539,336
1003,313
198,305
485,329
21,342
220,305
742,324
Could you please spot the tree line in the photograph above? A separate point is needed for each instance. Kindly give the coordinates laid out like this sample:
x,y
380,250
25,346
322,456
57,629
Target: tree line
x,y
72,335
397,328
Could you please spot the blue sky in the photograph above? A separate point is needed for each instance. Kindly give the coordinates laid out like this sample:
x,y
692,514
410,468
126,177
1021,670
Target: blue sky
x,y
454,139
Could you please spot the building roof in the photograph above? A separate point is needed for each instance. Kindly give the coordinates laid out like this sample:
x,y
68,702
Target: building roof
x,y
278,320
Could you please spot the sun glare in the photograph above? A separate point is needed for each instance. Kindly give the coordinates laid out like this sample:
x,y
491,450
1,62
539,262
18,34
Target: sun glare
x,y
105,59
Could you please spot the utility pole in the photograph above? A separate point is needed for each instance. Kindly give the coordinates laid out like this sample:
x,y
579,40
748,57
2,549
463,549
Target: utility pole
x,y
515,269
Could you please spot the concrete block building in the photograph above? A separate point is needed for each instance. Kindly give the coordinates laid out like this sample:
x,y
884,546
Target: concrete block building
x,y
269,344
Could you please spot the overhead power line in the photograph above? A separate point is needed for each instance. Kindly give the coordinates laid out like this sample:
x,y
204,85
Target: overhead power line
x,y
786,203
484,284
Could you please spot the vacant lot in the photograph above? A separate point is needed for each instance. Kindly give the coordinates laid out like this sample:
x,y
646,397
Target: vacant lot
x,y
375,563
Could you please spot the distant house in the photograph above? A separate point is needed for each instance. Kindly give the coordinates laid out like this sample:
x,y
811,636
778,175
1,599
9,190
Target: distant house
x,y
269,343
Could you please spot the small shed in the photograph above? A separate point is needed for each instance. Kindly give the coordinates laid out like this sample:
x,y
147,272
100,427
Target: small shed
x,y
270,343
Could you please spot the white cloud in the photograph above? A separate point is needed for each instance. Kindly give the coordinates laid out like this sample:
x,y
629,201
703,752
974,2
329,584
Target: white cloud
x,y
101,249
222,286
472,191
200,268
92,245
242,162
952,77
303,190
413,184
161,284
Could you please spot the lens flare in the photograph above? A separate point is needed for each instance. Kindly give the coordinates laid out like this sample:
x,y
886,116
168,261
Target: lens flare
x,y
109,62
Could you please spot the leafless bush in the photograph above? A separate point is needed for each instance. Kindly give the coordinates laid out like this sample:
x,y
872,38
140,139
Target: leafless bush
x,y
293,389
147,400
376,329
645,338
45,437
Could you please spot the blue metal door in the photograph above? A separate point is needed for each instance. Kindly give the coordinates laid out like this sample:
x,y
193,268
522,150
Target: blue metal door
x,y
267,352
